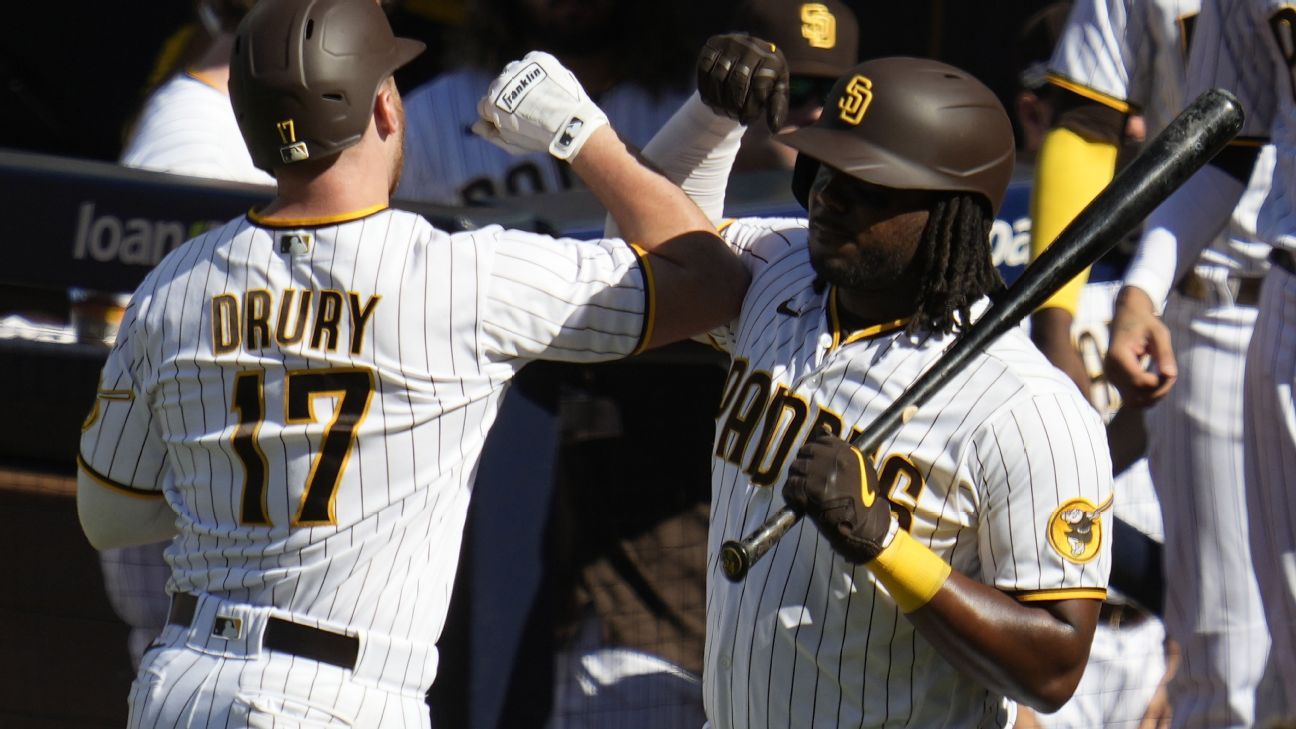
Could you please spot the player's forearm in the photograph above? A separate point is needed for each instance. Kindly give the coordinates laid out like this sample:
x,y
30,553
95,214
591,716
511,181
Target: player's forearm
x,y
648,208
1071,170
696,150
1032,653
698,281
1180,229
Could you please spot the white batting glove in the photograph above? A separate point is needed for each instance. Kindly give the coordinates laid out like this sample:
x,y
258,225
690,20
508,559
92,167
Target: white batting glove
x,y
537,105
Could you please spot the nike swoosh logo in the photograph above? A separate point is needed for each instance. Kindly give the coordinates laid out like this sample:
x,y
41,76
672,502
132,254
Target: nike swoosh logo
x,y
786,310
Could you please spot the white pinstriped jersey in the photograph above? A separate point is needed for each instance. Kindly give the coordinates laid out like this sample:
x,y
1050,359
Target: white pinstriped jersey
x,y
1134,55
312,399
1274,21
446,163
1221,57
1127,54
187,127
987,473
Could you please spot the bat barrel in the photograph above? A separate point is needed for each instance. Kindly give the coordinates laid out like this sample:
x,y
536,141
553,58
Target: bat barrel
x,y
1191,140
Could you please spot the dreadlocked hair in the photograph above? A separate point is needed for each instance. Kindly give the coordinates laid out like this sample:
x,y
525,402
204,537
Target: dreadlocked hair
x,y
958,269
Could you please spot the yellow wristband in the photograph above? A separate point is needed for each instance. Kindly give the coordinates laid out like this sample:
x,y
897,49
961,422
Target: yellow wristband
x,y
911,572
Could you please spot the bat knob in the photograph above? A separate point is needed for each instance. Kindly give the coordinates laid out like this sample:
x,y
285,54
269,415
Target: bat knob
x,y
735,560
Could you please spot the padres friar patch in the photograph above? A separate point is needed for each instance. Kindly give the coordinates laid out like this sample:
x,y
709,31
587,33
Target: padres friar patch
x,y
1075,530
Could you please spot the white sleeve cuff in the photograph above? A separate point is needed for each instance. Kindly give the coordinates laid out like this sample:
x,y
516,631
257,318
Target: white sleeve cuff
x,y
695,149
1180,229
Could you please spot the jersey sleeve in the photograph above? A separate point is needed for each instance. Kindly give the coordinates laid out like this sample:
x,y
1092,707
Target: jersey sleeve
x,y
121,444
758,242
1043,477
1093,55
564,299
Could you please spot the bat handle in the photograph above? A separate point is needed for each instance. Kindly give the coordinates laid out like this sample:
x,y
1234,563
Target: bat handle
x,y
737,557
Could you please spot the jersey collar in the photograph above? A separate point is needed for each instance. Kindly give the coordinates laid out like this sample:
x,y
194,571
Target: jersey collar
x,y
841,338
269,222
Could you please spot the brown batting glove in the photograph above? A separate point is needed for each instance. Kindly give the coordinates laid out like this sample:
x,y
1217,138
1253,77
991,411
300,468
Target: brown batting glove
x,y
745,78
837,487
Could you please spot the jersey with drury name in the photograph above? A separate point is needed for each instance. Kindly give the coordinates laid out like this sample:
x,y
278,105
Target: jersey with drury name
x,y
446,163
1004,473
312,399
187,127
1129,54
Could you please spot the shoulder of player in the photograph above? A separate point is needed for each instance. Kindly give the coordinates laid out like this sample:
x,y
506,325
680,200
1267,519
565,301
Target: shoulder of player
x,y
1031,387
768,238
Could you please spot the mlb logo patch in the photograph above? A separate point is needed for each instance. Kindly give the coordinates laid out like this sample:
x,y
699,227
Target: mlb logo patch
x,y
227,628
570,132
295,244
294,152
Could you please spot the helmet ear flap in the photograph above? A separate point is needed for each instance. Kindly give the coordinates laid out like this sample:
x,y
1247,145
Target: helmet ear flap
x,y
803,175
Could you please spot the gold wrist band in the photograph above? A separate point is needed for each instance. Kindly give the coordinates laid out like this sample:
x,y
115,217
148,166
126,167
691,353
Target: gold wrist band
x,y
911,572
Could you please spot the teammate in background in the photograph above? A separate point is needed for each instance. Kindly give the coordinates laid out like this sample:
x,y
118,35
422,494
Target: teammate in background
x,y
820,41
630,56
636,657
924,605
186,127
1115,58
1032,107
1099,83
1247,48
300,396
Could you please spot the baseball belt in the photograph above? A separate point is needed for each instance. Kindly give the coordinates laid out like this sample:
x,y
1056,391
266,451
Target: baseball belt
x,y
1122,615
1245,290
284,636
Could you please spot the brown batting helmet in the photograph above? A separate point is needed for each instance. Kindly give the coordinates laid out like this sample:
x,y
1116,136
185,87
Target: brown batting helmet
x,y
910,124
304,75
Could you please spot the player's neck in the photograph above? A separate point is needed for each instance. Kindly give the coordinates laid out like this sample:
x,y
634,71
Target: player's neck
x,y
348,185
858,309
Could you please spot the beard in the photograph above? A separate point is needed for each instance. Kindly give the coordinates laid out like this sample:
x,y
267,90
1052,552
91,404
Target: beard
x,y
871,269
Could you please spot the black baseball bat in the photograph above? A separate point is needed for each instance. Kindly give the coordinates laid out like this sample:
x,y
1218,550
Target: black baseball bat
x,y
1166,162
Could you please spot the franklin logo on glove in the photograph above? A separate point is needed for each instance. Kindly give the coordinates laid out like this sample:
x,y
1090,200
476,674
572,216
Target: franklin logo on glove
x,y
537,105
522,84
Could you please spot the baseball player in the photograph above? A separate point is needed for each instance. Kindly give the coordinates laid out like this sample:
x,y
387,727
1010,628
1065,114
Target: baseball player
x,y
1102,47
960,568
299,397
1117,59
1251,54
186,127
445,163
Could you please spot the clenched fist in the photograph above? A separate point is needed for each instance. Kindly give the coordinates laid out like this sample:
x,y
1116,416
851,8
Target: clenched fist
x,y
837,487
537,105
744,78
